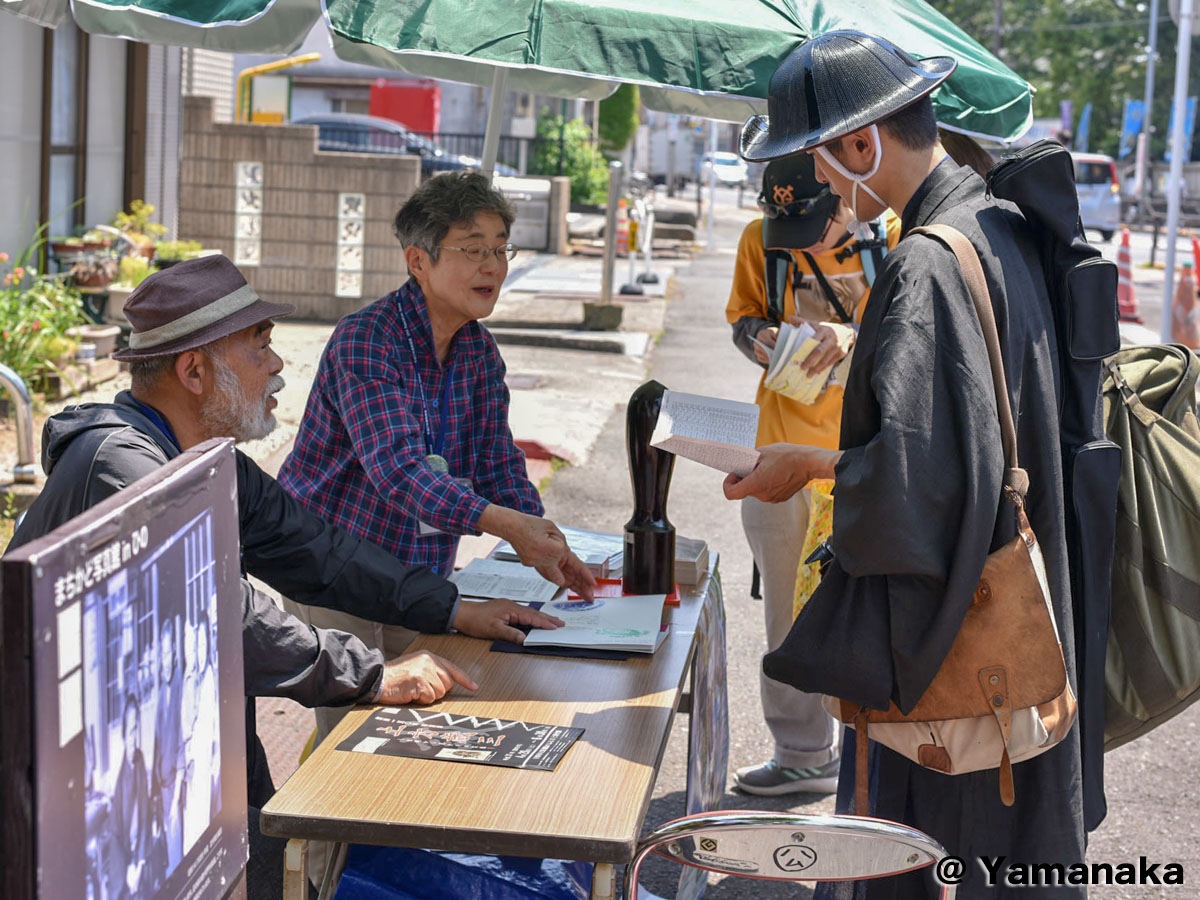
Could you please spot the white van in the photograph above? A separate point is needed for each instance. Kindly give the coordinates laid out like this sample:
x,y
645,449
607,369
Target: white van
x,y
1099,192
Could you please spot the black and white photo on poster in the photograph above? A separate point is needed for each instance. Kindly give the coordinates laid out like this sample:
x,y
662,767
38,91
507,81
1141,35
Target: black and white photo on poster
x,y
151,715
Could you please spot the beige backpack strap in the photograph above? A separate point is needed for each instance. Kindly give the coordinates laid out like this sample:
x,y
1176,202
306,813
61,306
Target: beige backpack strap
x,y
1016,481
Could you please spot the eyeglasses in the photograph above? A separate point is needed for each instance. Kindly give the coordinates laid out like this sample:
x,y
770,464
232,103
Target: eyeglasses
x,y
776,210
477,253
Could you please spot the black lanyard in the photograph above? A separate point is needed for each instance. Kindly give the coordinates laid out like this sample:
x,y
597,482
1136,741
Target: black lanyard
x,y
827,288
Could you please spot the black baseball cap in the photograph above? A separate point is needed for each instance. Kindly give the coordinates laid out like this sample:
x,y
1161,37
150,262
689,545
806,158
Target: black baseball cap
x,y
795,206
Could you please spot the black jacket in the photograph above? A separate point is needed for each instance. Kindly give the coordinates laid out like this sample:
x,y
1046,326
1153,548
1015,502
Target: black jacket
x,y
90,452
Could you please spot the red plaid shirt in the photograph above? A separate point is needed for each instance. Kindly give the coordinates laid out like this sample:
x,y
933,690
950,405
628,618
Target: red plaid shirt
x,y
359,456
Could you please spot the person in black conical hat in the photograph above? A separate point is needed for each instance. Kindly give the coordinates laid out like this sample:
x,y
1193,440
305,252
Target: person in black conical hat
x,y
798,264
920,463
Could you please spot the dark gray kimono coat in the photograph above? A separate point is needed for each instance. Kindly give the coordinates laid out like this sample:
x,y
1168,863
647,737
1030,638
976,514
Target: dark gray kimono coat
x,y
917,509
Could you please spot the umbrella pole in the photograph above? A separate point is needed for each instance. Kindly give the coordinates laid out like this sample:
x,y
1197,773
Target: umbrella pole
x,y
712,178
491,136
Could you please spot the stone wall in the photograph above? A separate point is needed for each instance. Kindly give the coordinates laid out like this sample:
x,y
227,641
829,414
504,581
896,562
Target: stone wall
x,y
307,227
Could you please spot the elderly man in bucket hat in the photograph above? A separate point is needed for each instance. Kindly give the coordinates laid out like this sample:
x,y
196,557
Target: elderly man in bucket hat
x,y
920,465
202,367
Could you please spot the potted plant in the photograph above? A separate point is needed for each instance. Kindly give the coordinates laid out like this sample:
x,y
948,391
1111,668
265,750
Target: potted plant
x,y
137,227
66,246
167,253
102,337
133,271
37,312
92,270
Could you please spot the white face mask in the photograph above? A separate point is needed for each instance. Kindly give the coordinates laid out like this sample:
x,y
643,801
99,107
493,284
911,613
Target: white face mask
x,y
832,161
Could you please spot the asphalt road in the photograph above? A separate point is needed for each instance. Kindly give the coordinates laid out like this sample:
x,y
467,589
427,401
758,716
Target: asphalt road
x,y
1152,792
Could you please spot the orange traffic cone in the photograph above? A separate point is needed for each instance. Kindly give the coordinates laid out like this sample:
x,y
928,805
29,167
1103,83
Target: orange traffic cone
x,y
1127,308
1185,316
622,227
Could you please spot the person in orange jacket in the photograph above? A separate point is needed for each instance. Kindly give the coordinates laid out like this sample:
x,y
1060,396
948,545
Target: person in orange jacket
x,y
799,263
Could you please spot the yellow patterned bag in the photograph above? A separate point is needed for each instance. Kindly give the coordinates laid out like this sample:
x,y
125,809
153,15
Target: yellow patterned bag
x,y
820,527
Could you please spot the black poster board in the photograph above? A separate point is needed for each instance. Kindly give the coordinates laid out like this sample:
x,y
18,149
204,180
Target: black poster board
x,y
122,743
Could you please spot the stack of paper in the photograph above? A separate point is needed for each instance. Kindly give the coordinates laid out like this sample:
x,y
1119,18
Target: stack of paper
x,y
691,560
785,370
714,432
601,553
631,623
488,578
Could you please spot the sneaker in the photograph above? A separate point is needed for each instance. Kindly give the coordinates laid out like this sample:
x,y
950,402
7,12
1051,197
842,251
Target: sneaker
x,y
770,779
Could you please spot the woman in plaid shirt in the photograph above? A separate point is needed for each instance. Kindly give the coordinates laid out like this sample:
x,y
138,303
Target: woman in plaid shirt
x,y
405,441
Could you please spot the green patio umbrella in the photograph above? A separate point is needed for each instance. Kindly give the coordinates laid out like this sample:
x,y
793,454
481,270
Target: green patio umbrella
x,y
710,58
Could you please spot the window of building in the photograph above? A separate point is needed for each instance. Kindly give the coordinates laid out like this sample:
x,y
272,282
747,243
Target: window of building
x,y
64,127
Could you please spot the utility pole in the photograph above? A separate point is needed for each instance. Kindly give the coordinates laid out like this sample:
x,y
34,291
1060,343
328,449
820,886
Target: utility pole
x,y
1143,159
1183,54
997,26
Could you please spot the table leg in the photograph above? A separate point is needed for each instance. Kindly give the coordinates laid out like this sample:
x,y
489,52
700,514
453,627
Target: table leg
x,y
295,870
334,863
602,882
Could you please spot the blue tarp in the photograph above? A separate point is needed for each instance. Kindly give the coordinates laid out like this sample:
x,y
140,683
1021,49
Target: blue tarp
x,y
396,873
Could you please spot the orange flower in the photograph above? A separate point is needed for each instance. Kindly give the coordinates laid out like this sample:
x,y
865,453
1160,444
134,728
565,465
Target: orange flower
x,y
19,272
3,256
37,326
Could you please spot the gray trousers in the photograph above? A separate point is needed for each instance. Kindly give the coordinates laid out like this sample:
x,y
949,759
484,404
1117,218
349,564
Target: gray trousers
x,y
805,735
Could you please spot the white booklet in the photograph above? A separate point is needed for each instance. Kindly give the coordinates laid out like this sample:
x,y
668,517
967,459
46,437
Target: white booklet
x,y
487,578
709,430
631,622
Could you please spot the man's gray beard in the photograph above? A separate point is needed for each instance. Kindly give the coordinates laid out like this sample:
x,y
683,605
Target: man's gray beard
x,y
231,413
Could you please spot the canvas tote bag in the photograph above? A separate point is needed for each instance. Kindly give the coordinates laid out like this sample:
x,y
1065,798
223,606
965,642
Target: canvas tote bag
x,y
1002,694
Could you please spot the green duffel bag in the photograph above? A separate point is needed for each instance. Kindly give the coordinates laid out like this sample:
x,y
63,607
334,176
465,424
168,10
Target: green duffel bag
x,y
1152,670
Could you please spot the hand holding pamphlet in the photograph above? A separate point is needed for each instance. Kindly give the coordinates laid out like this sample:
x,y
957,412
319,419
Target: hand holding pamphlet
x,y
785,369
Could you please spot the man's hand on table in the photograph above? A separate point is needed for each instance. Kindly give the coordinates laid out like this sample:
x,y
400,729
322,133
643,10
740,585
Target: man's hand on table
x,y
420,677
540,544
782,470
495,619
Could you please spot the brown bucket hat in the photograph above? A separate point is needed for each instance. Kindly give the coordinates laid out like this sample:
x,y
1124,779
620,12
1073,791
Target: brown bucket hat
x,y
193,303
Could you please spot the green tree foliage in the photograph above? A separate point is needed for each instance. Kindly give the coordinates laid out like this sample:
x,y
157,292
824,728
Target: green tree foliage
x,y
1088,51
581,161
619,118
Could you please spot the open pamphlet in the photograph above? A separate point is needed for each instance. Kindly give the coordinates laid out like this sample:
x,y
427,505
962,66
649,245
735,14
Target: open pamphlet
x,y
631,623
714,432
601,553
486,578
785,370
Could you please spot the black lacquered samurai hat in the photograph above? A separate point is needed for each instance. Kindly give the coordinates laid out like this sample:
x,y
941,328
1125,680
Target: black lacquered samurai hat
x,y
834,84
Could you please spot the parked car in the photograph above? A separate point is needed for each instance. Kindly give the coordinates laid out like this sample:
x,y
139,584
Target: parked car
x,y
1099,192
372,134
729,168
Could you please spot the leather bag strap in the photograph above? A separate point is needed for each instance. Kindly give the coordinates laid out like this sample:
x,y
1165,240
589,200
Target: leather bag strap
x,y
1016,481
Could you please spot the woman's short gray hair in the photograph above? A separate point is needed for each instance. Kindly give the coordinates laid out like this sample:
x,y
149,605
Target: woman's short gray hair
x,y
445,201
